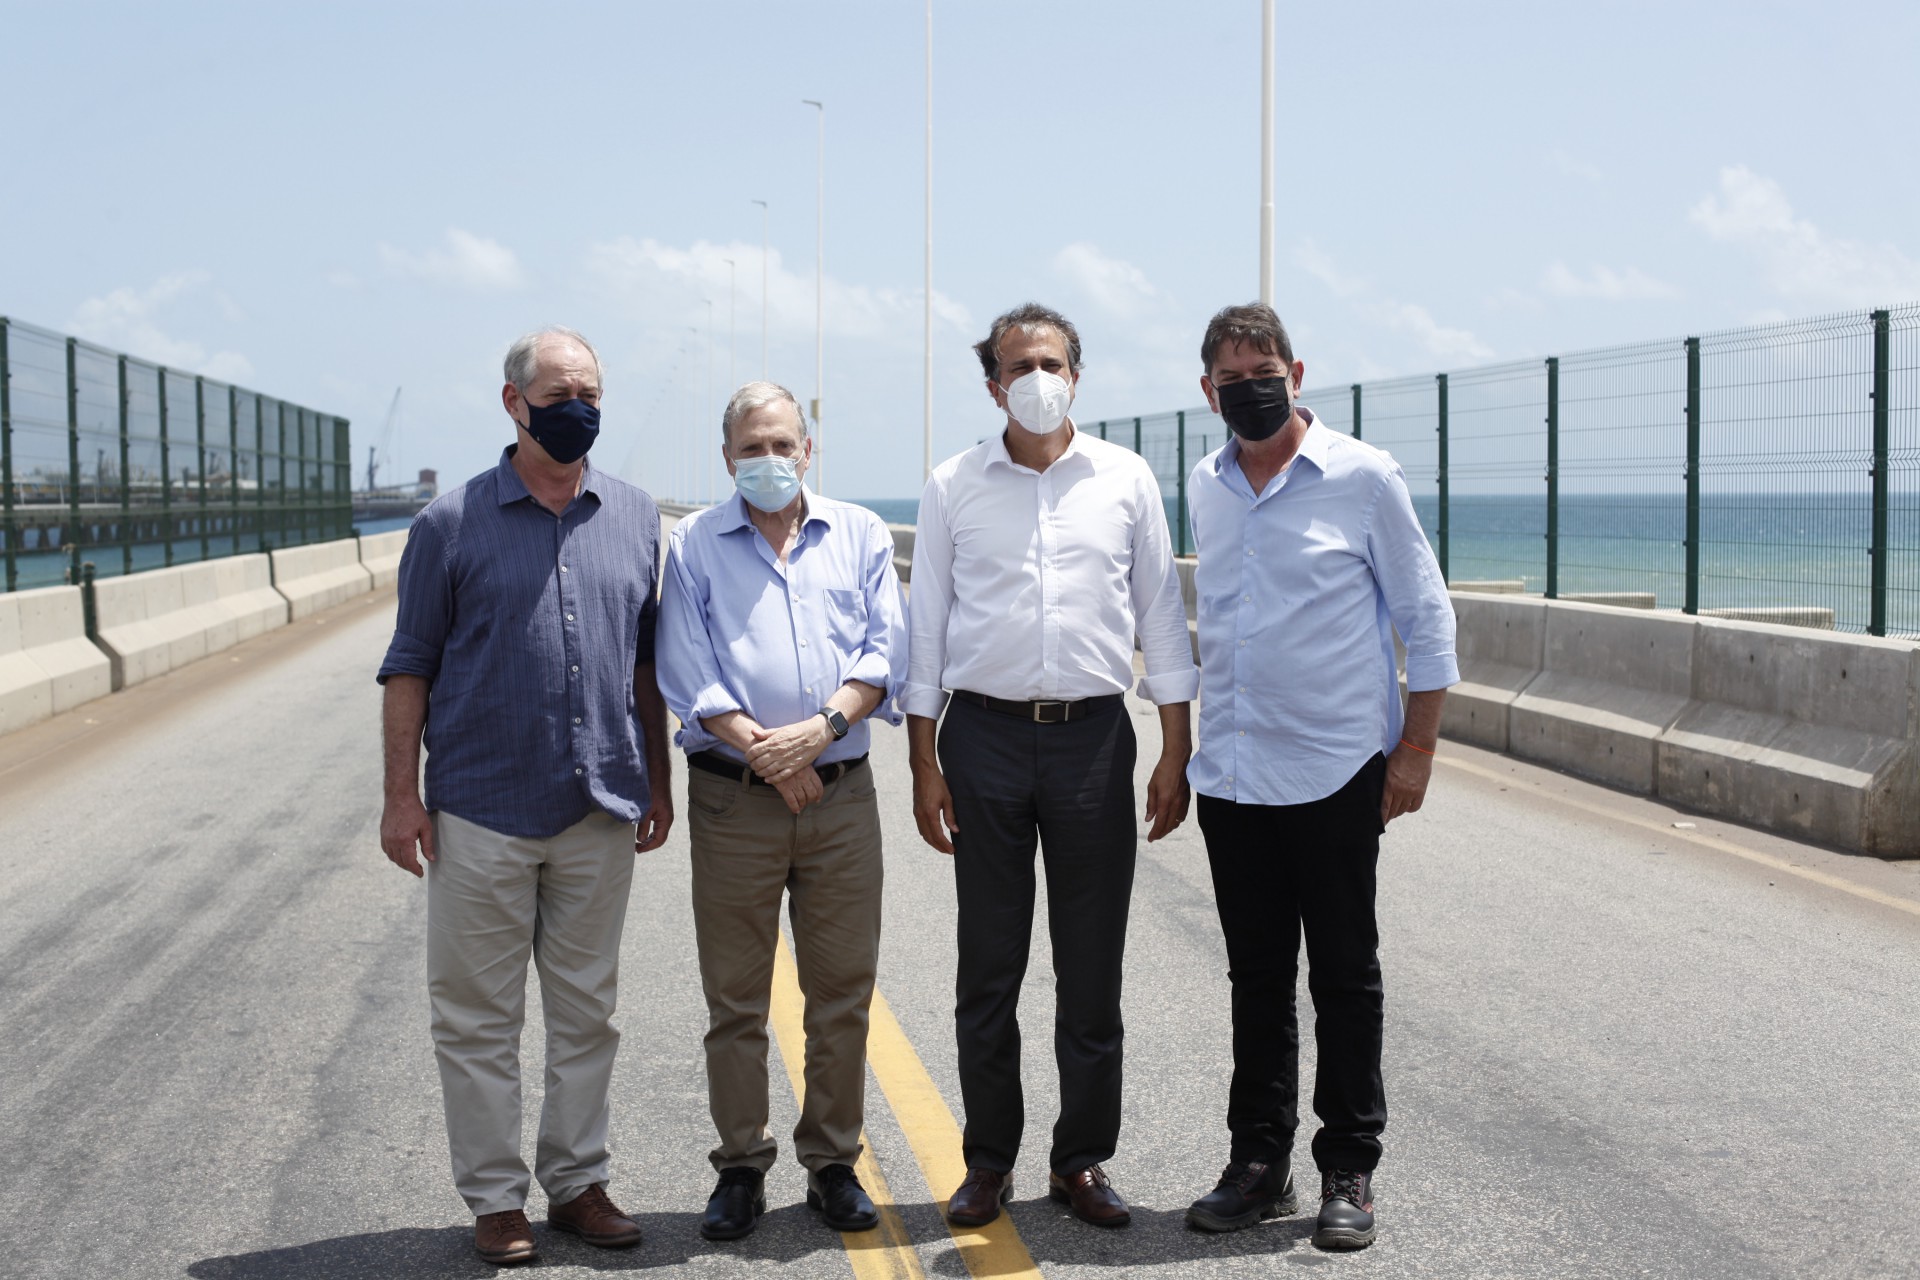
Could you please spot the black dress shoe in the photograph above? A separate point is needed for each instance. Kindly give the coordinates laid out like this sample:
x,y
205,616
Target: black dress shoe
x,y
979,1197
837,1194
734,1208
1246,1194
1090,1197
1346,1210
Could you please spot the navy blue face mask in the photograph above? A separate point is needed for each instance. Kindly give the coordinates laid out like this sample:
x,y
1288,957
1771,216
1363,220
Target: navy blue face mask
x,y
565,430
1256,408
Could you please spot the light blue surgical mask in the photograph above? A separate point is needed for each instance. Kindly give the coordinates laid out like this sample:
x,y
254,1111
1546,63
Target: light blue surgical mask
x,y
769,482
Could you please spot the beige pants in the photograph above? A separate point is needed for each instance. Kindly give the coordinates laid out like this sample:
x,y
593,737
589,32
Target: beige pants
x,y
491,901
747,851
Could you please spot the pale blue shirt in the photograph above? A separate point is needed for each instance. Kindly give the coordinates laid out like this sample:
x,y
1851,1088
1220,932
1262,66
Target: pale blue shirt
x,y
740,631
1299,591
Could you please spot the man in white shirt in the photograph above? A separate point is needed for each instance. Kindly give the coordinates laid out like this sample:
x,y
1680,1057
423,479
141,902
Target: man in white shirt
x,y
1041,554
1311,557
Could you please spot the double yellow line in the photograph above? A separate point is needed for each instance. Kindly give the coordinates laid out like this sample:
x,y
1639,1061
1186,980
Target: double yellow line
x,y
887,1252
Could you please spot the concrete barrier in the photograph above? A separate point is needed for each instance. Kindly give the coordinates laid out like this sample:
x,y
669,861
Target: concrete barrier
x,y
1801,732
1611,682
155,622
320,576
380,556
46,664
1491,586
1499,641
1786,615
1617,599
902,549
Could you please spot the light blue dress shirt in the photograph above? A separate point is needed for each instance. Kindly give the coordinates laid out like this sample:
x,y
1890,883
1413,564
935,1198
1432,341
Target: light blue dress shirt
x,y
1299,591
740,631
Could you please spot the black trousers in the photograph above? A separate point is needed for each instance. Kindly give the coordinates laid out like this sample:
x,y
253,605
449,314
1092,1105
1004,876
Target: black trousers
x,y
1278,871
1070,787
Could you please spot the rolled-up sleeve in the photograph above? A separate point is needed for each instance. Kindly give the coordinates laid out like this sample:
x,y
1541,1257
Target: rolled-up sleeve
x,y
1411,584
689,670
882,661
426,605
1160,615
928,606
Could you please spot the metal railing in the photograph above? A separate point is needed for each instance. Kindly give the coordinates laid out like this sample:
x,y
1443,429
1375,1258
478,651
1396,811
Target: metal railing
x,y
1772,467
131,465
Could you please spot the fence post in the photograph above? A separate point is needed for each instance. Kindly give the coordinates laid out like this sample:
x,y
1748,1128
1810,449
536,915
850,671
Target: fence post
x,y
73,448
1101,427
280,502
260,469
1180,490
1356,411
1692,605
1136,435
233,466
126,477
1441,475
1553,477
166,474
200,444
1882,480
6,460
89,612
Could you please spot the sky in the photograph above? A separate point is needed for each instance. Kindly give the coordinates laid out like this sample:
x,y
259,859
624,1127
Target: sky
x,y
329,203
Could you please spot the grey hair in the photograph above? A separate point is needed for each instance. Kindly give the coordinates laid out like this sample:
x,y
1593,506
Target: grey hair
x,y
523,357
757,395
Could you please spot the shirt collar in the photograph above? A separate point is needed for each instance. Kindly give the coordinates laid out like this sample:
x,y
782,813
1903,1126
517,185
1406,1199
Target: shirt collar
x,y
512,488
1313,446
997,448
733,515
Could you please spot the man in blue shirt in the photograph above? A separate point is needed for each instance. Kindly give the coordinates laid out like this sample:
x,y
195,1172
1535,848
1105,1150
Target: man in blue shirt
x,y
781,633
524,650
1311,557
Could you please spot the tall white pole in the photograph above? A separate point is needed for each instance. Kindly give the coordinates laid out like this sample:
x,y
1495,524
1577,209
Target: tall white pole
x,y
1266,153
765,253
820,307
732,314
926,449
706,406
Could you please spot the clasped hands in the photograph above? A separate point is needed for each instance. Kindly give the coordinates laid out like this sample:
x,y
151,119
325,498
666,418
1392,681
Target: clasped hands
x,y
784,758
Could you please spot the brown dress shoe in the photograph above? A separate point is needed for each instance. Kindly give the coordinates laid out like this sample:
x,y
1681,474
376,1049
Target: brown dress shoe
x,y
979,1198
504,1238
1090,1197
593,1216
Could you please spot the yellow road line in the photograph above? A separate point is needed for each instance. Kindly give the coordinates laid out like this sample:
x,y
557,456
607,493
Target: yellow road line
x,y
993,1250
1667,832
886,1252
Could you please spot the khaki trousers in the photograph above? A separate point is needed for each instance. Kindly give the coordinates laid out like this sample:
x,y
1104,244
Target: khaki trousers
x,y
747,851
491,901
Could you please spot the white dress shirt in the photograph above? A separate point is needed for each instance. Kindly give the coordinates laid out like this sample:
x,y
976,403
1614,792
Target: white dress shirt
x,y
1300,589
1031,585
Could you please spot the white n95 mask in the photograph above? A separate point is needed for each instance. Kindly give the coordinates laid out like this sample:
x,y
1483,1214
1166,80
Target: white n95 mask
x,y
1039,401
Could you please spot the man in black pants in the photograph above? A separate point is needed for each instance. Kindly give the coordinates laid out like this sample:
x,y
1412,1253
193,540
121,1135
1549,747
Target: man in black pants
x,y
1311,557
1041,553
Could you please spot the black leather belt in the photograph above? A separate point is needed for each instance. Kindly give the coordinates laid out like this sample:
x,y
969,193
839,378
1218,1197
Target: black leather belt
x,y
1043,712
713,762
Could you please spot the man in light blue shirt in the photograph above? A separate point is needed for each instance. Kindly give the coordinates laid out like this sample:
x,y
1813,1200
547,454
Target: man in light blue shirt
x,y
1310,558
781,632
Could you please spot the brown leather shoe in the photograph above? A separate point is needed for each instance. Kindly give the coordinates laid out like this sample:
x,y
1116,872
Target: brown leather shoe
x,y
593,1216
504,1238
1090,1197
979,1198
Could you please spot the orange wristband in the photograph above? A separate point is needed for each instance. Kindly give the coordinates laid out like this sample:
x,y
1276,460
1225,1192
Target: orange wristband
x,y
1422,750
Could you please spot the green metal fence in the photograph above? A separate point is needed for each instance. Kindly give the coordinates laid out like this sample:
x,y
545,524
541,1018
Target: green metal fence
x,y
131,466
1767,468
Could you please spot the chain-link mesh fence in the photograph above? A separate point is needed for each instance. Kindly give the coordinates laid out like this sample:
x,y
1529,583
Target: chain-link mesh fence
x,y
132,466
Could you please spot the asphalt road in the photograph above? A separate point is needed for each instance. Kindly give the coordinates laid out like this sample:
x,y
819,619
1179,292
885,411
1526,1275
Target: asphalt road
x,y
1615,1047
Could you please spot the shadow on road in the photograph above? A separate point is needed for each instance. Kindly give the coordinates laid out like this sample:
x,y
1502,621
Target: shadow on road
x,y
1157,1238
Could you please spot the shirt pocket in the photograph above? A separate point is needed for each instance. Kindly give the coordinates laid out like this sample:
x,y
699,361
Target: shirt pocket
x,y
847,619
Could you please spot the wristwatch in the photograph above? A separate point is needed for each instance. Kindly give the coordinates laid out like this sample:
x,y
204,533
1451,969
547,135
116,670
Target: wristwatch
x,y
835,722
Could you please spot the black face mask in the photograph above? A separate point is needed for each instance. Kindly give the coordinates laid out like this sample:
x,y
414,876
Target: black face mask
x,y
565,430
1255,408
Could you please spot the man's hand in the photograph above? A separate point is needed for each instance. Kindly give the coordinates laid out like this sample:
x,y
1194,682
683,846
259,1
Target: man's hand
x,y
652,831
780,754
404,823
1408,772
1167,795
801,789
933,808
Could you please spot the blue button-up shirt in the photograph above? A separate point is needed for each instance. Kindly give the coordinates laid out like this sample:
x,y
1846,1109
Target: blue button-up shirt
x,y
1299,590
740,631
527,627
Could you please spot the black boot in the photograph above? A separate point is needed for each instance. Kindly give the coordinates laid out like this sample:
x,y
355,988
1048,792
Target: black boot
x,y
1346,1210
734,1208
1246,1194
837,1194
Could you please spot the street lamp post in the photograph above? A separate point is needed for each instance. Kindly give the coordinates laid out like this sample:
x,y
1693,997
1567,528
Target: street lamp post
x,y
926,460
765,213
732,312
1266,152
820,304
706,404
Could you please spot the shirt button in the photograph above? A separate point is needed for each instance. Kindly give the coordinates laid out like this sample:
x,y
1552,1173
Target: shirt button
x,y
576,719
1248,599
578,772
576,669
563,568
1243,733
1243,689
803,644
1243,644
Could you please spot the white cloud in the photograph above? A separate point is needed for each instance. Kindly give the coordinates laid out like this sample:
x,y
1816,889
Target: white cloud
x,y
1436,338
1111,284
1801,261
1573,168
1315,262
466,260
1605,283
128,319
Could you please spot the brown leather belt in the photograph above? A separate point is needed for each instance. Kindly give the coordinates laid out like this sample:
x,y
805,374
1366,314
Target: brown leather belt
x,y
1043,712
714,762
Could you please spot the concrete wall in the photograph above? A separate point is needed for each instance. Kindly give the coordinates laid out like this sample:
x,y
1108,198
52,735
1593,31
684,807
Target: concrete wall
x,y
151,623
1499,644
46,663
380,556
319,576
